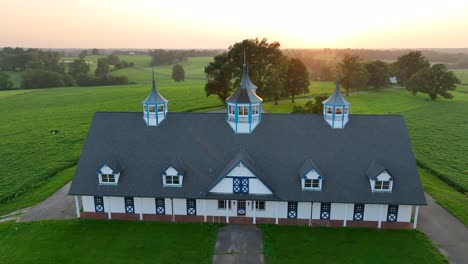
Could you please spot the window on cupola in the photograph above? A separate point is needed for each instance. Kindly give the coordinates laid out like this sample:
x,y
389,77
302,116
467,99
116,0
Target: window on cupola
x,y
243,110
231,110
329,110
255,110
338,111
152,108
160,108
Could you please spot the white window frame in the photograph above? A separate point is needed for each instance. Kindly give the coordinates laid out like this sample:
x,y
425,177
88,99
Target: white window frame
x,y
152,107
171,183
231,110
258,207
223,202
160,108
244,111
105,178
255,109
383,186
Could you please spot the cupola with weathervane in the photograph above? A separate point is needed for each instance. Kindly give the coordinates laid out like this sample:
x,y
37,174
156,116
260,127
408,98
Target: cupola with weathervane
x,y
336,108
244,106
154,107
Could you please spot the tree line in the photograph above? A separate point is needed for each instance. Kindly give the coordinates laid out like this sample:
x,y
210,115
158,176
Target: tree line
x,y
165,57
44,69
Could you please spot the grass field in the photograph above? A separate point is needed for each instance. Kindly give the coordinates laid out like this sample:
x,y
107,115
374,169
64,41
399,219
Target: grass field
x,y
86,241
462,74
295,244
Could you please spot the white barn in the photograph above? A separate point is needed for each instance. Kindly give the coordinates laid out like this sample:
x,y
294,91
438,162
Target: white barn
x,y
247,167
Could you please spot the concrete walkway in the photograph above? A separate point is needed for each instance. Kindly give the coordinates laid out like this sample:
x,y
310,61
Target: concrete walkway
x,y
58,206
239,244
448,233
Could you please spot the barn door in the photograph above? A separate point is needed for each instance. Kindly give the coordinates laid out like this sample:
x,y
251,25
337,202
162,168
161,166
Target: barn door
x,y
241,207
292,209
392,213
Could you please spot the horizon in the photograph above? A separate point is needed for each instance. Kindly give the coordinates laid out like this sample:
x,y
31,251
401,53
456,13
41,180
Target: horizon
x,y
208,24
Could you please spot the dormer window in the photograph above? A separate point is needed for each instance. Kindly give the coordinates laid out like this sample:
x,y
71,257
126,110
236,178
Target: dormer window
x,y
109,172
311,176
380,179
173,174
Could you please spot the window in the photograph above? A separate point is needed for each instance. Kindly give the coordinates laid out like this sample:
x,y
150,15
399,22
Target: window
x,y
152,108
160,206
260,205
231,110
145,108
160,108
172,180
338,111
98,204
222,204
240,185
129,205
358,212
312,183
191,207
392,213
325,209
382,185
107,178
255,110
329,110
243,110
292,209
346,110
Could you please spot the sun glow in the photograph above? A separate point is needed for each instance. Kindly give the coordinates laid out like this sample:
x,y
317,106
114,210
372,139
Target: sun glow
x,y
217,24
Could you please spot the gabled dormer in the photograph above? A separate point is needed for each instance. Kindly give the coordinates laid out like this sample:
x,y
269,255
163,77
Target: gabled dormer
x,y
173,173
380,179
311,176
109,172
240,176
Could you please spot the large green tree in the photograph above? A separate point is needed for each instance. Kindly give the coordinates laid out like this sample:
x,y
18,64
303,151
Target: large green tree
x,y
379,73
228,66
354,75
178,73
434,81
78,67
5,82
275,81
409,64
297,78
103,67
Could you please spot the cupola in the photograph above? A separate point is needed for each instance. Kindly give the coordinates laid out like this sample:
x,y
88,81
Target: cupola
x,y
154,107
336,108
244,107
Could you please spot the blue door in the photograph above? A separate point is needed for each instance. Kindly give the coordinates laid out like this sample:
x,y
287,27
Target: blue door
x,y
358,212
292,210
160,206
240,185
98,204
129,205
325,211
392,213
191,207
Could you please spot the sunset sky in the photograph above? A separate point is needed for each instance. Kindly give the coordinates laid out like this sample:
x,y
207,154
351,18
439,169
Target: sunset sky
x,y
217,23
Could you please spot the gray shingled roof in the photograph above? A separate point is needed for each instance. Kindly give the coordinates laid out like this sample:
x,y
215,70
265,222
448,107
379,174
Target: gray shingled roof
x,y
307,166
279,146
245,94
336,98
375,169
177,164
154,97
115,165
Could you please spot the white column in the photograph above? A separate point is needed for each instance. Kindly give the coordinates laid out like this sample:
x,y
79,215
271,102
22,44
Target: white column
x,y
77,204
172,209
141,209
311,213
380,216
345,215
254,213
204,209
277,205
109,216
415,223
227,210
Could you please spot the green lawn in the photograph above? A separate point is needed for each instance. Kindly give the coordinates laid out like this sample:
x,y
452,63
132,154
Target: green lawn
x,y
87,241
462,74
297,244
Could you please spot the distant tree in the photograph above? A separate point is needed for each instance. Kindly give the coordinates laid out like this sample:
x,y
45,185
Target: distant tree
x,y
228,66
354,75
379,73
5,82
160,56
434,81
83,54
311,107
103,67
276,82
95,51
178,73
113,59
45,79
78,67
409,64
297,78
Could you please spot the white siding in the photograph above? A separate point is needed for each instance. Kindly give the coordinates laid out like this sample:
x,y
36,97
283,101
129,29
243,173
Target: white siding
x,y
180,206
404,213
88,203
257,187
240,171
171,171
117,204
384,176
106,170
303,210
168,206
371,212
316,211
312,174
148,205
283,210
224,186
337,211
